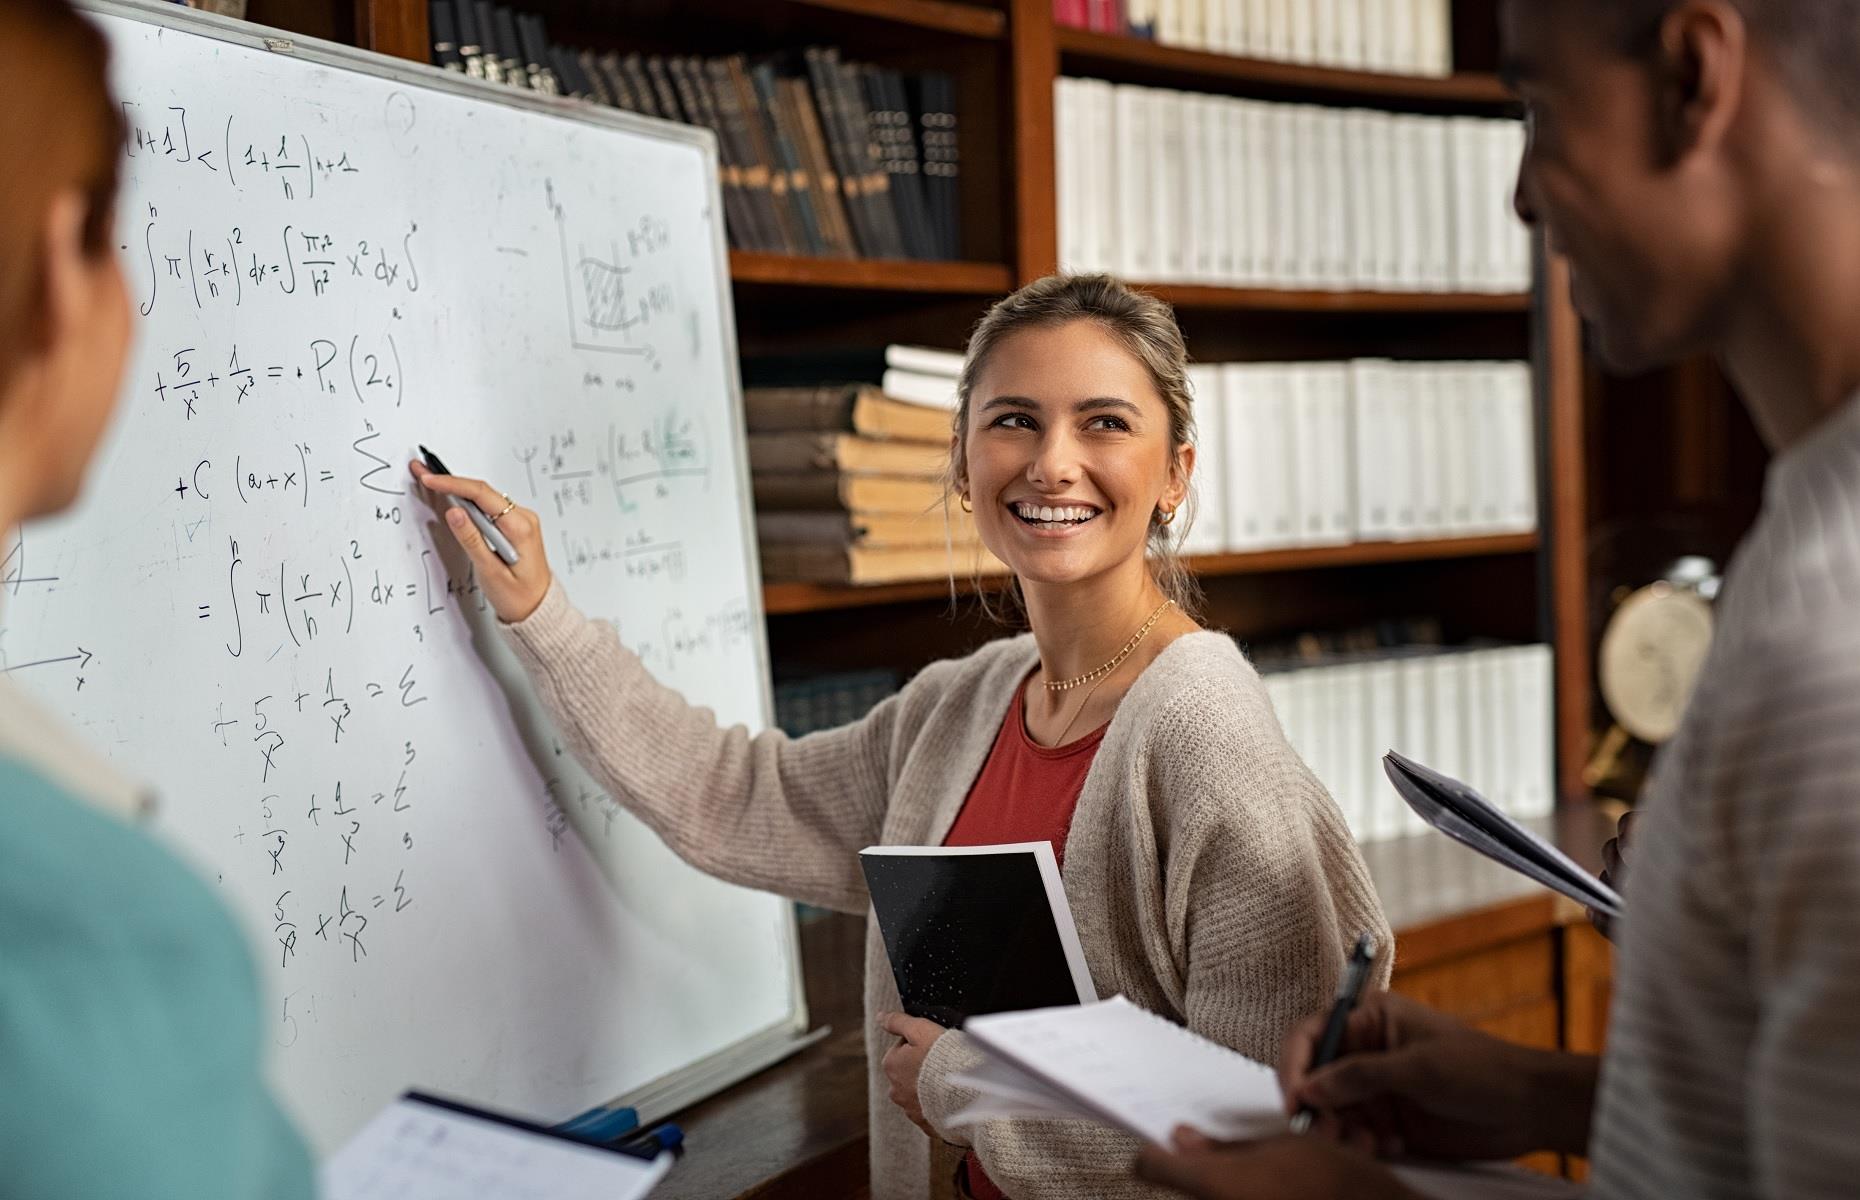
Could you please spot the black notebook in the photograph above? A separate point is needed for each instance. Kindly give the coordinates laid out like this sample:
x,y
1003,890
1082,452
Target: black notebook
x,y
1471,820
976,929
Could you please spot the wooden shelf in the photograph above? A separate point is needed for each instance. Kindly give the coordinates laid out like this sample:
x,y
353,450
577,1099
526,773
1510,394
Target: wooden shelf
x,y
1362,554
1197,296
1134,60
871,274
941,16
780,599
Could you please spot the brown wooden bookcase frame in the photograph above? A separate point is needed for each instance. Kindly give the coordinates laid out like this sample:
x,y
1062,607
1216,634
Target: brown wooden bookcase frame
x,y
1010,52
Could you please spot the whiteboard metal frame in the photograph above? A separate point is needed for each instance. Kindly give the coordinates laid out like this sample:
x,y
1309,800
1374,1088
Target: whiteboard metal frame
x,y
709,1075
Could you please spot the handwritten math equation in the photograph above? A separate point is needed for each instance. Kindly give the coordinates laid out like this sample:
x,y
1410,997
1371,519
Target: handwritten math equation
x,y
293,345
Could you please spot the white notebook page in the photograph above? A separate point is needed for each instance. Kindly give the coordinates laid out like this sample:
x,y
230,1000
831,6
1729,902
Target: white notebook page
x,y
1134,1069
417,1151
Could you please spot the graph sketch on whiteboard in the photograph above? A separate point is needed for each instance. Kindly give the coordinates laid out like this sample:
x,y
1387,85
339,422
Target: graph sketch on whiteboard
x,y
602,314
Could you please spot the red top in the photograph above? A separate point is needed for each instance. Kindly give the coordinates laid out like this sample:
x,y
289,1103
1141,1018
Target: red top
x,y
1025,793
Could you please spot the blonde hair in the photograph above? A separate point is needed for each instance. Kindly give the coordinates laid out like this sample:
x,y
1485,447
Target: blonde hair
x,y
1146,328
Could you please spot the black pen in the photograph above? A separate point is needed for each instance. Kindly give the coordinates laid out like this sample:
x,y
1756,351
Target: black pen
x,y
486,523
1349,993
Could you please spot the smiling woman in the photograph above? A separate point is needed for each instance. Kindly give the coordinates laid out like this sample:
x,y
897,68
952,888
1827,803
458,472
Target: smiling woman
x,y
1118,355
1211,878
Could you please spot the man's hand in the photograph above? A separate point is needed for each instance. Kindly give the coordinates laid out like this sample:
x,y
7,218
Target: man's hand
x,y
1614,870
1412,1081
1284,1168
904,1062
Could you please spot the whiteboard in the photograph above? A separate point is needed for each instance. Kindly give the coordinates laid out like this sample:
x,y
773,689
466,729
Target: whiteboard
x,y
336,257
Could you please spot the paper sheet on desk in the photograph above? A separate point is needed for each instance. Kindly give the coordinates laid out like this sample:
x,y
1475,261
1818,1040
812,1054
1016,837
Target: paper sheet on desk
x,y
1470,819
416,1150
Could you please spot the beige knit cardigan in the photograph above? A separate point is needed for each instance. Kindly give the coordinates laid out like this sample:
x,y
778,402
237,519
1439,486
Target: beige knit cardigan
x,y
1211,877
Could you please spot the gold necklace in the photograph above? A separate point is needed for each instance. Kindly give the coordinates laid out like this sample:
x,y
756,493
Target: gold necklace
x,y
1066,685
1083,705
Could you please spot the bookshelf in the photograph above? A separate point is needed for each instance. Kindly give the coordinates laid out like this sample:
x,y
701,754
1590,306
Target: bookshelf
x,y
1525,965
1005,56
943,16
869,275
782,599
1132,60
1224,299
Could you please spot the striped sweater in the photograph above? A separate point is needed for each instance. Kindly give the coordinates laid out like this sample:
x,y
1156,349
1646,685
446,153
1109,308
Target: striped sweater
x,y
1733,1064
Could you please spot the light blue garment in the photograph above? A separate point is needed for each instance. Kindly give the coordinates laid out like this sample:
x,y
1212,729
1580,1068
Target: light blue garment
x,y
129,1032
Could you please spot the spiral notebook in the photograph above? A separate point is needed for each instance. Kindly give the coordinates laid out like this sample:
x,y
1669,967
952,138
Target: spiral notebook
x,y
1117,1064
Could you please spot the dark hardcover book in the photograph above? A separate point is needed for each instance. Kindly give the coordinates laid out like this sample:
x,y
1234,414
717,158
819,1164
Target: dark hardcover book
x,y
976,929
770,181
752,172
848,407
594,79
560,61
509,48
620,83
891,115
471,44
663,93
865,85
745,219
794,101
534,39
821,491
930,240
445,36
867,155
578,82
829,201
691,103
489,40
941,165
828,104
787,155
645,96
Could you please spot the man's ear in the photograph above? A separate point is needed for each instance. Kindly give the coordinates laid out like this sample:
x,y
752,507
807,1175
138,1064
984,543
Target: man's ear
x,y
1700,57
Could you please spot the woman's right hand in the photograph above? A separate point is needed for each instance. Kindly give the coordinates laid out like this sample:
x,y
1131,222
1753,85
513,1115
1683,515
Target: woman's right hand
x,y
1413,1081
514,591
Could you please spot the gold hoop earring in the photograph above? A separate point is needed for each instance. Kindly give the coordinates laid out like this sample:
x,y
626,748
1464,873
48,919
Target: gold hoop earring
x,y
1167,517
963,500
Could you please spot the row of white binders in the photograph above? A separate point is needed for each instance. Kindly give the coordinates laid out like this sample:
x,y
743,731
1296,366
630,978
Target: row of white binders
x,y
1315,454
1484,716
1402,37
1177,187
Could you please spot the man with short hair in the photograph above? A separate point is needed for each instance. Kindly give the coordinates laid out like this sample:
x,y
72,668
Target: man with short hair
x,y
1698,163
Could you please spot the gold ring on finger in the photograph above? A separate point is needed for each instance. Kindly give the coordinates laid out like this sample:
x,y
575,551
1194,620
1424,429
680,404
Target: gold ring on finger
x,y
508,505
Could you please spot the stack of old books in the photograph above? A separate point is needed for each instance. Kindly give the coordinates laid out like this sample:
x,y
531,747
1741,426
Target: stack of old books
x,y
849,475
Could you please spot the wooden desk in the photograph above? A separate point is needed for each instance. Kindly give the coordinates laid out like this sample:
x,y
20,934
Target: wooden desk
x,y
1472,938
